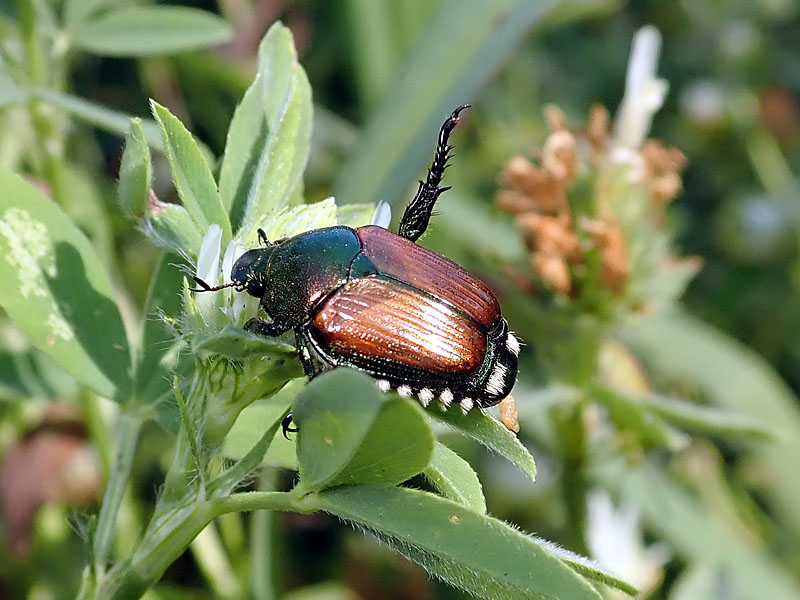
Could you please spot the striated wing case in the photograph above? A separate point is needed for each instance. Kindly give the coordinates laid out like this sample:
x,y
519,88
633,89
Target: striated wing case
x,y
403,260
379,324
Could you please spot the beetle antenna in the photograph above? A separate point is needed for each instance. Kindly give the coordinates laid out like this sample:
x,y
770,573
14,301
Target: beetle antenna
x,y
418,212
204,287
262,237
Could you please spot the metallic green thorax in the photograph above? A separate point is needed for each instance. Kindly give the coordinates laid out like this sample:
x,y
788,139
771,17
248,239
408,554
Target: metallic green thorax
x,y
293,276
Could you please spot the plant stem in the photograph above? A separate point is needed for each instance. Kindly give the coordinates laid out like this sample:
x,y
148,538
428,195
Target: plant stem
x,y
246,501
128,433
173,531
214,564
33,53
572,439
263,554
49,136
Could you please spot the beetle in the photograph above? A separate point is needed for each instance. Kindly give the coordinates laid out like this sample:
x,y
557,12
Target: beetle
x,y
376,301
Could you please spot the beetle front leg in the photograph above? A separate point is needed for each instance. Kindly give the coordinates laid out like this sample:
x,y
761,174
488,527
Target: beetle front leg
x,y
418,212
263,328
305,354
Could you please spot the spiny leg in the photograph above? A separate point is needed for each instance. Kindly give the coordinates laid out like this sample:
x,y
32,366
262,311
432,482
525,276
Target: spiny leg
x,y
305,354
418,212
263,328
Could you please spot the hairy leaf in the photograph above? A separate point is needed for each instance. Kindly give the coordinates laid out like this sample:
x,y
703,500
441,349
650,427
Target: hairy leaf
x,y
492,434
193,179
467,549
135,171
452,476
57,291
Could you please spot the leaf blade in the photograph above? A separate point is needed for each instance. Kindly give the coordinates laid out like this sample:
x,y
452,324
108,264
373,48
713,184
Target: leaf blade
x,y
64,300
492,434
193,178
466,549
150,30
453,477
135,171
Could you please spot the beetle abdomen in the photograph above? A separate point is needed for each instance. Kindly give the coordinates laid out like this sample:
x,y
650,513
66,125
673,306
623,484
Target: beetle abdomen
x,y
405,261
373,320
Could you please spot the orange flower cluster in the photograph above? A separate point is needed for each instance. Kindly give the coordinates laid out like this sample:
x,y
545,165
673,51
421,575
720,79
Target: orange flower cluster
x,y
538,197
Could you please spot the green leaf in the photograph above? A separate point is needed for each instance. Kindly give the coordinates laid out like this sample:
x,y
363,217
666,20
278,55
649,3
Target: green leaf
x,y
452,476
398,446
426,90
256,121
254,420
226,482
33,375
351,432
629,414
679,346
172,227
468,550
300,218
77,11
696,533
334,413
286,101
159,348
237,344
135,172
586,567
492,434
151,30
57,291
88,210
708,419
10,92
247,136
100,116
193,179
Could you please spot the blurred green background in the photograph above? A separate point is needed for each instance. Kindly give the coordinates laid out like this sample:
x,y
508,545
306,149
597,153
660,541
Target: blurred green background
x,y
384,75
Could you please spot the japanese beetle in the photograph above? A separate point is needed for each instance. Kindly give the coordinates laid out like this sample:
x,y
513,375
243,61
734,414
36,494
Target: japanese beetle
x,y
374,300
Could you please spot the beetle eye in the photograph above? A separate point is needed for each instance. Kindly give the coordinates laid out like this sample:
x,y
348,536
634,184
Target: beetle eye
x,y
255,287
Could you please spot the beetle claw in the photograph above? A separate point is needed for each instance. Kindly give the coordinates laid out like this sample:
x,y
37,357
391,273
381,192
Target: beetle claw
x,y
286,426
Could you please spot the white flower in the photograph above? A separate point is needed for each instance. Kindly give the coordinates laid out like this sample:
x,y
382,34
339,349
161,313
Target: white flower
x,y
382,215
615,541
208,270
234,302
644,92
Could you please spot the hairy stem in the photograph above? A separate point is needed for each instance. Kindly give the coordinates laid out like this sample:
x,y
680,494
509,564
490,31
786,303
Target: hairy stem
x,y
128,434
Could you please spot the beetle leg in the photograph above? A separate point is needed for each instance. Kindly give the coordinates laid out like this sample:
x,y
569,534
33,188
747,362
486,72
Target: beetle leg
x,y
418,212
305,354
262,237
263,328
286,426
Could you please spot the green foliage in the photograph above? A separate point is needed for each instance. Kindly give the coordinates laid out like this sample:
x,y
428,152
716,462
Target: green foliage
x,y
135,172
351,434
467,549
147,30
622,395
193,178
59,294
453,478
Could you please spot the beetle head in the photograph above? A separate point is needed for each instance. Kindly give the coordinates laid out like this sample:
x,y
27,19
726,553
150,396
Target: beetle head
x,y
250,270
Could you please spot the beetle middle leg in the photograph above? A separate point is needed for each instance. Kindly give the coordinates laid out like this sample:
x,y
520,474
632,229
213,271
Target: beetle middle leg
x,y
305,354
263,328
418,212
